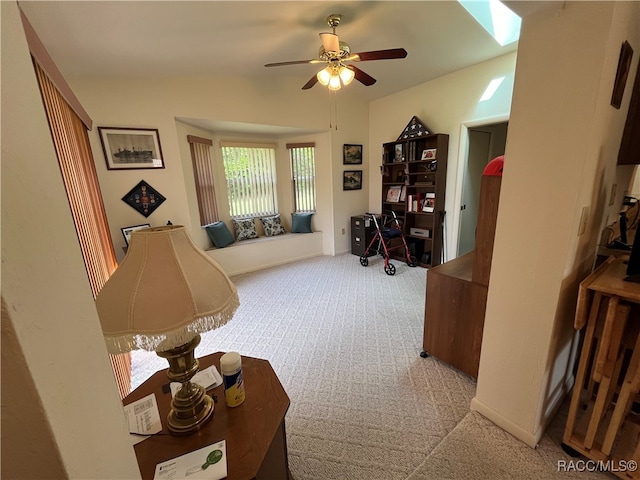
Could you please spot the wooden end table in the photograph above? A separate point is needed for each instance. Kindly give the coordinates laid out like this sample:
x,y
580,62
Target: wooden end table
x,y
254,432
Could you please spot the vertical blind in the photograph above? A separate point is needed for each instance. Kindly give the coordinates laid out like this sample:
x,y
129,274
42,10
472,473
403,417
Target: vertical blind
x,y
203,175
303,174
251,178
71,143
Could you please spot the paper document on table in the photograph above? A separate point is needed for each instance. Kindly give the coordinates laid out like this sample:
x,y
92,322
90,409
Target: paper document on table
x,y
208,378
143,417
208,463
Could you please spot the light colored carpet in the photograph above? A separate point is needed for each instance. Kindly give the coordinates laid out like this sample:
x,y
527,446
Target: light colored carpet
x,y
345,342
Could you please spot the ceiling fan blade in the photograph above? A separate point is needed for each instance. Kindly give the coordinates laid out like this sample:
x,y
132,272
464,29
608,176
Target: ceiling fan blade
x,y
362,77
312,81
330,42
294,62
379,55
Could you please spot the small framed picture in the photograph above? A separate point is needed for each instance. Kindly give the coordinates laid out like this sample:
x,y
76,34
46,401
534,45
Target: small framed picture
x,y
399,153
352,180
624,62
131,148
428,154
351,154
127,231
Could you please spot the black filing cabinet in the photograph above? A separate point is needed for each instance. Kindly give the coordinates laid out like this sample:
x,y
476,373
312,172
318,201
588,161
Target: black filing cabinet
x,y
362,231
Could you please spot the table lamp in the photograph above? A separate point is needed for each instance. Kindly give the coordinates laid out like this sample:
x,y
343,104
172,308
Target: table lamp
x,y
163,295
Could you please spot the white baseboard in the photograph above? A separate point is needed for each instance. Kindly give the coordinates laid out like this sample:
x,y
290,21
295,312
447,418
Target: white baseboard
x,y
530,438
504,423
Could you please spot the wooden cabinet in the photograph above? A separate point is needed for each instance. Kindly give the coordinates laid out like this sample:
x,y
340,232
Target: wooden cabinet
x,y
454,315
456,296
414,174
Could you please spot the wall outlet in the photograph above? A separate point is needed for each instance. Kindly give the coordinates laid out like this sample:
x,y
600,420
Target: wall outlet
x,y
343,231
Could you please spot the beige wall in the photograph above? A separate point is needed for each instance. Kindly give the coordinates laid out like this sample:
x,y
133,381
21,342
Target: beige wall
x,y
561,156
158,103
75,416
445,105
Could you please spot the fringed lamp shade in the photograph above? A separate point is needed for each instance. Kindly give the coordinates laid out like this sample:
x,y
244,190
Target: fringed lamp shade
x,y
165,292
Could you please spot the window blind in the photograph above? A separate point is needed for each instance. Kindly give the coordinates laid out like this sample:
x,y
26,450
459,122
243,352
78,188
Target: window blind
x,y
203,176
71,143
303,176
250,173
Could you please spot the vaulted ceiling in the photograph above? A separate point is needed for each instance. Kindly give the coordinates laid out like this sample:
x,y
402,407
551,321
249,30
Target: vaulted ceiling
x,y
236,38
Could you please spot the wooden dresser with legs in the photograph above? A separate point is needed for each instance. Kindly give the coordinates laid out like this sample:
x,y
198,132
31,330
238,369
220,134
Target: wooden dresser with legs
x,y
604,422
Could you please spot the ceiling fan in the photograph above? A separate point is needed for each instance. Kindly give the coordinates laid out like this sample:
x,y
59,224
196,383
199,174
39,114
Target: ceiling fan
x,y
335,54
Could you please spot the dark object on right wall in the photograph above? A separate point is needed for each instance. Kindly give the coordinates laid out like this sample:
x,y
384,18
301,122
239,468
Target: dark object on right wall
x,y
624,63
633,265
629,153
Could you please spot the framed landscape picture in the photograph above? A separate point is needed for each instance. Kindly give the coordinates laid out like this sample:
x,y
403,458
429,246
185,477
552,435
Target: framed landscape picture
x,y
131,148
351,154
352,180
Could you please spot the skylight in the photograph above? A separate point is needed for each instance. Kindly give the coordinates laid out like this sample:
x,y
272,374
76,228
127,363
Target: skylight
x,y
491,89
501,23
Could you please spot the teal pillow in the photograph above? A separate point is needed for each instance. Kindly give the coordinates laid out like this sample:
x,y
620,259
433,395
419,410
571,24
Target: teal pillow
x,y
245,228
301,223
219,234
272,225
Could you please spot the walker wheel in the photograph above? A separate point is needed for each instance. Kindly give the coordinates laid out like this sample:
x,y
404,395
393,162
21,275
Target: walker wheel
x,y
412,261
364,260
390,269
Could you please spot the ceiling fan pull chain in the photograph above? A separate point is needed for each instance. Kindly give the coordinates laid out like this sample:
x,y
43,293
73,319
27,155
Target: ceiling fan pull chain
x,y
335,107
330,110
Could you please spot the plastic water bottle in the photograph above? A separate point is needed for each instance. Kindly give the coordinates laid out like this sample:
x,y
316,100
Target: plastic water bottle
x,y
231,369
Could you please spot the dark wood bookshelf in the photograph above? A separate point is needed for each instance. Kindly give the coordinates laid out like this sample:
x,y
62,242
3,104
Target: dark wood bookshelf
x,y
419,166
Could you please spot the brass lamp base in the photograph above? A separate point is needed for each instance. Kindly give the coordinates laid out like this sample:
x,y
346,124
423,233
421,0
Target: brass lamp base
x,y
191,407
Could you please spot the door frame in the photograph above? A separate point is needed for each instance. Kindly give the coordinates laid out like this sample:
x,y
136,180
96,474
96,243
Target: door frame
x,y
462,160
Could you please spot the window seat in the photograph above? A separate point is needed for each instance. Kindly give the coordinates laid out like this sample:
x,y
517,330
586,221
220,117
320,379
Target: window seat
x,y
264,252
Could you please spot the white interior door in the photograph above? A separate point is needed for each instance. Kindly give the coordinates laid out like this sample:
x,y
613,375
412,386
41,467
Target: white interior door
x,y
479,143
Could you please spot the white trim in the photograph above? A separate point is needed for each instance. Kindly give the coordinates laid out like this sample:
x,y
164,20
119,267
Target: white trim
x,y
461,162
505,424
530,438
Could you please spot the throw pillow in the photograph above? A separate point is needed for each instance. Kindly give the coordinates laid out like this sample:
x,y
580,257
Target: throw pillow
x,y
219,234
245,228
272,225
301,222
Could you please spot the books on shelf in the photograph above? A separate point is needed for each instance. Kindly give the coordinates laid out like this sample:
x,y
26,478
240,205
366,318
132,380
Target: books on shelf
x,y
403,193
393,194
414,202
429,202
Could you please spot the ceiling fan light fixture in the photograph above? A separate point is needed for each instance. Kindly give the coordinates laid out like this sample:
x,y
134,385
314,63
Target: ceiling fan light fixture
x,y
324,76
330,42
346,75
334,82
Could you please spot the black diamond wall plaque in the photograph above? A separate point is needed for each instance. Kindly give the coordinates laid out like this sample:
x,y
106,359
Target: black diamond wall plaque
x,y
415,128
143,198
